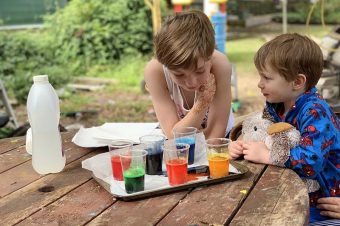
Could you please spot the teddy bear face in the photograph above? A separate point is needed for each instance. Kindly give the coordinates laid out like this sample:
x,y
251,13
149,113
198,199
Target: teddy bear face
x,y
254,127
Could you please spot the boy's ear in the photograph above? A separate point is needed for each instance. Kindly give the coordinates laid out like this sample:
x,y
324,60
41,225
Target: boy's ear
x,y
299,82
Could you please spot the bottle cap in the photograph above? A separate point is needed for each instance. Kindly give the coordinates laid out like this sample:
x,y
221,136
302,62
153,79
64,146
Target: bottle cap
x,y
40,78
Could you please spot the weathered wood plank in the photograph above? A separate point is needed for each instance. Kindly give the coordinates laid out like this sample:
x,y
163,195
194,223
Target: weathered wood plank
x,y
76,208
8,144
279,198
13,158
214,204
11,143
18,155
142,212
22,203
24,174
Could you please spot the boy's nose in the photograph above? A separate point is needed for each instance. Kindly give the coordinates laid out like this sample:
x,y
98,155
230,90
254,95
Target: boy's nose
x,y
260,85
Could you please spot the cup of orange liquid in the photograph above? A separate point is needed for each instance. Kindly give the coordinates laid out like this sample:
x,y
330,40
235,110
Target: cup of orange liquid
x,y
176,161
218,157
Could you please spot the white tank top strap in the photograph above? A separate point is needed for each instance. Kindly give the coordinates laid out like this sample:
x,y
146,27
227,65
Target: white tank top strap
x,y
175,94
168,80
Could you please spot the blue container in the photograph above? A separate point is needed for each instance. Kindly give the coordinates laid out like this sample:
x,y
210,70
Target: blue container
x,y
220,43
219,22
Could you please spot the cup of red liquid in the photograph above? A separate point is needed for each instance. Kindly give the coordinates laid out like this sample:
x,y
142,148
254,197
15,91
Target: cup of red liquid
x,y
115,148
175,156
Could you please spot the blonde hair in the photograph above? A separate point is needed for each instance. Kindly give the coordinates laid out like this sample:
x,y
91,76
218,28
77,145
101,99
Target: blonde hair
x,y
290,55
183,39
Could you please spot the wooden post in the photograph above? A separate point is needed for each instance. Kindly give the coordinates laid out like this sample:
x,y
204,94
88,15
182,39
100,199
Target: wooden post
x,y
155,6
284,16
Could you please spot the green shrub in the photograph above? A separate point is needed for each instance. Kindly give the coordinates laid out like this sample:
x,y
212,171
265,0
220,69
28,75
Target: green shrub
x,y
101,31
298,12
25,54
83,34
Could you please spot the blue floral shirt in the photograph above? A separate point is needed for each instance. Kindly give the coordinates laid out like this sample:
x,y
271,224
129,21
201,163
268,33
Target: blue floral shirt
x,y
317,155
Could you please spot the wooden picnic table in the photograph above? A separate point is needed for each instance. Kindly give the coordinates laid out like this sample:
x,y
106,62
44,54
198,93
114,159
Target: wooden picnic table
x,y
266,195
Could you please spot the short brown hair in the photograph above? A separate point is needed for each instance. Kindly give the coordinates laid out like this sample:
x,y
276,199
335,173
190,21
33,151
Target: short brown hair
x,y
290,55
183,39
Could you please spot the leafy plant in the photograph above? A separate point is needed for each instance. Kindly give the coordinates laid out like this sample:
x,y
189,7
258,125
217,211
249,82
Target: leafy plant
x,y
78,37
298,12
101,31
25,54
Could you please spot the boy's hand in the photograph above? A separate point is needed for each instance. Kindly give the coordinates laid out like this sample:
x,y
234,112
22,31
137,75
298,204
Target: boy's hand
x,y
330,207
256,152
206,93
235,149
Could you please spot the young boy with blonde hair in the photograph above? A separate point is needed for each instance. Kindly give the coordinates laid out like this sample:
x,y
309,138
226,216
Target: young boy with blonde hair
x,y
188,80
290,66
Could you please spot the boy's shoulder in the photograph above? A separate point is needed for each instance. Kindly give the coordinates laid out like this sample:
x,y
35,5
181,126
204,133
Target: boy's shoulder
x,y
315,108
316,102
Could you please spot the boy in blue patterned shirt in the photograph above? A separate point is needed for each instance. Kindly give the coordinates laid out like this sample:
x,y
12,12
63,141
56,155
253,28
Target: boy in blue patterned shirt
x,y
290,66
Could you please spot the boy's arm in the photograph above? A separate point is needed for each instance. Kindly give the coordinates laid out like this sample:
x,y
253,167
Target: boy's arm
x,y
219,108
308,157
164,106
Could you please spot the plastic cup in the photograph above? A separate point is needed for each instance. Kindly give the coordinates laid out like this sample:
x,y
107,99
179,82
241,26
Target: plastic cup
x,y
133,166
176,161
115,148
153,145
186,135
218,157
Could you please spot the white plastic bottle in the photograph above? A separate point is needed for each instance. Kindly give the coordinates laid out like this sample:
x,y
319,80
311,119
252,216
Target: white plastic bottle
x,y
43,115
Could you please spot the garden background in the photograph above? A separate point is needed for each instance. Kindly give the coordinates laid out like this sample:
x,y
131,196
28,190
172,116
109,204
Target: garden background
x,y
107,44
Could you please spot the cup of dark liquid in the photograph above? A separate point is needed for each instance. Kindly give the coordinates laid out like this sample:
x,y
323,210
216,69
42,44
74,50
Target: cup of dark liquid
x,y
153,145
133,166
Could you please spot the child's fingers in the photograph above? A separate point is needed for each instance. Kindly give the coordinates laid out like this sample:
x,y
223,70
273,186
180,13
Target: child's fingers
x,y
329,207
234,155
239,142
237,147
237,152
246,157
329,200
330,214
246,145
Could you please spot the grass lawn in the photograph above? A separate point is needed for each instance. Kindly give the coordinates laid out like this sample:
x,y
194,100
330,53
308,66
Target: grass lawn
x,y
241,51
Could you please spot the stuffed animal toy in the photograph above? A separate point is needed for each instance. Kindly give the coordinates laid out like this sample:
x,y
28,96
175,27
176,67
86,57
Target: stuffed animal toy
x,y
279,138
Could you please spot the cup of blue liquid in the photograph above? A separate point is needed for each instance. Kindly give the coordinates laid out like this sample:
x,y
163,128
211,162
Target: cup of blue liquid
x,y
133,166
186,135
153,145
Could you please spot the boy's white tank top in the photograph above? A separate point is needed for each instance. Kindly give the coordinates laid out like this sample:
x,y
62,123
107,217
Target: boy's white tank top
x,y
177,97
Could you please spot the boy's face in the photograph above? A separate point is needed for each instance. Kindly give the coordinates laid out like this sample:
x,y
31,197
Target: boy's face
x,y
192,80
274,87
